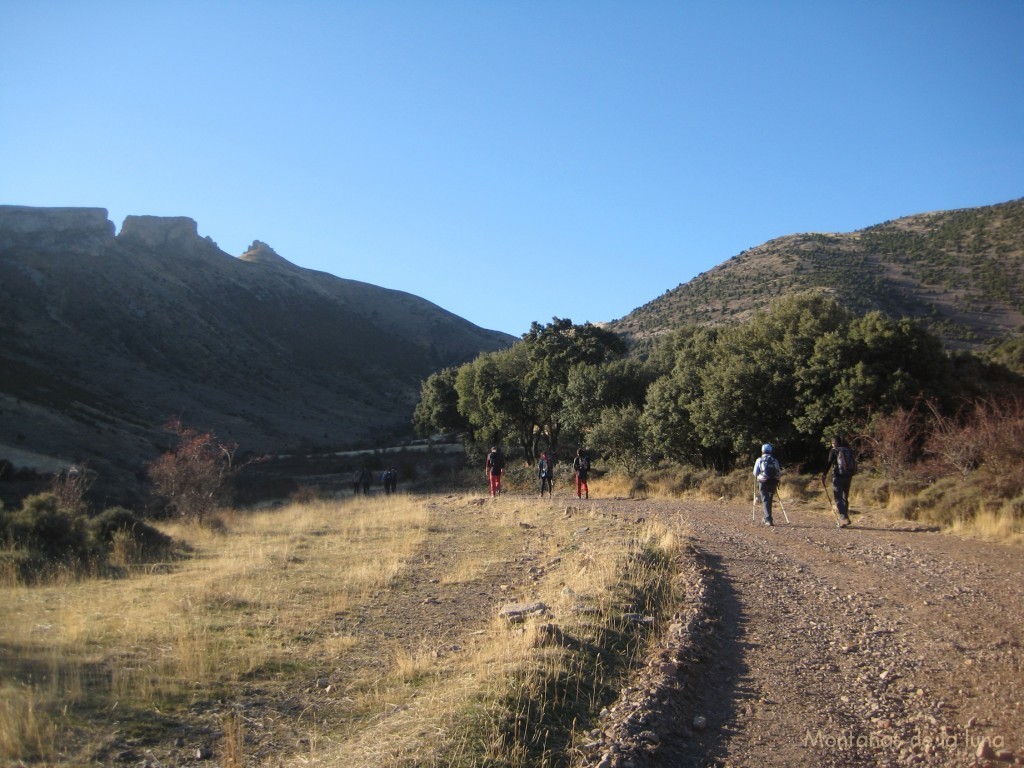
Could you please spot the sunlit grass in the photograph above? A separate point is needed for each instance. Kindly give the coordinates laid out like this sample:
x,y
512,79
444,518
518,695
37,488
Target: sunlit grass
x,y
278,600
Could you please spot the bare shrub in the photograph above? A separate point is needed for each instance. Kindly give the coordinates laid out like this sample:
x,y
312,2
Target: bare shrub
x,y
955,440
69,488
1000,426
193,477
894,441
988,435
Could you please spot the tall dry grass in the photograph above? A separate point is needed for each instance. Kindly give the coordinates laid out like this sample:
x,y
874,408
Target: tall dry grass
x,y
256,597
304,628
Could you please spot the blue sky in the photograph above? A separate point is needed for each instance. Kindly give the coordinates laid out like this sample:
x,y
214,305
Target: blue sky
x,y
512,161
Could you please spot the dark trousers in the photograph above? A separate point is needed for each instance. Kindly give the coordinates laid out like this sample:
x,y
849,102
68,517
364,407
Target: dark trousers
x,y
767,490
841,491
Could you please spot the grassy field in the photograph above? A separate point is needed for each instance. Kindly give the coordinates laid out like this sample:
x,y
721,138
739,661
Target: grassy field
x,y
363,631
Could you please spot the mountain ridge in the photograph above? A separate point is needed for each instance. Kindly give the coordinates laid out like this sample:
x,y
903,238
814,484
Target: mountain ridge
x,y
106,337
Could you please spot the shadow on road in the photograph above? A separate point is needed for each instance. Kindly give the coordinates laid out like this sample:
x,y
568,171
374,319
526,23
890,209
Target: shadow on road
x,y
719,679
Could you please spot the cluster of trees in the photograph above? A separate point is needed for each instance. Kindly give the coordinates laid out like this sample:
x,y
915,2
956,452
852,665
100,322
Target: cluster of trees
x,y
705,396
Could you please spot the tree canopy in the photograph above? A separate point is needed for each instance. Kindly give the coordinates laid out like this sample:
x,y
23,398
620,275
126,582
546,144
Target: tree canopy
x,y
708,396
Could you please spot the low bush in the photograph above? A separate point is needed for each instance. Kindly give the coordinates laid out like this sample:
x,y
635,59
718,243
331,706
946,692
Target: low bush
x,y
43,529
119,524
43,539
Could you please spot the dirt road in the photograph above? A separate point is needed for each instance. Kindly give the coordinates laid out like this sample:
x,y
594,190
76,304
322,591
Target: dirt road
x,y
881,645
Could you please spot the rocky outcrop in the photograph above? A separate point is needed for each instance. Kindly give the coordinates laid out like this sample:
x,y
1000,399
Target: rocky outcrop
x,y
68,229
261,253
161,231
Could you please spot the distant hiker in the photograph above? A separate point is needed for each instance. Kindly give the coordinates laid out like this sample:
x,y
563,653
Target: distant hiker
x,y
357,479
767,471
546,473
390,480
581,466
365,480
495,466
843,463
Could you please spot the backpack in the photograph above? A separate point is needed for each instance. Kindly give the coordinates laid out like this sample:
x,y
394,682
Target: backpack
x,y
582,464
496,460
846,462
770,468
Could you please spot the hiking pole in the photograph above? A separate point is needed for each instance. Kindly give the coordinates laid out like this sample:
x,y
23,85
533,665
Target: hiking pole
x,y
782,506
832,506
753,505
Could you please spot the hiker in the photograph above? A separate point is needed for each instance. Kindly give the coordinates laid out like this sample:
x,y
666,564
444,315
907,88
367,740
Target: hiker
x,y
389,479
767,471
546,473
357,478
843,463
581,466
494,467
365,479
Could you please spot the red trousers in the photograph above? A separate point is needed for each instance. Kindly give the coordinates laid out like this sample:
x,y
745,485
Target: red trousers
x,y
581,487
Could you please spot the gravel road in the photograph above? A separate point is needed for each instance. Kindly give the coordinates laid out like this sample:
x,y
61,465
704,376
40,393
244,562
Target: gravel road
x,y
883,644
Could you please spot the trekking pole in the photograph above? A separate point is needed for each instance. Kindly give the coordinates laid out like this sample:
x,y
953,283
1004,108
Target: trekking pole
x,y
782,506
831,504
753,505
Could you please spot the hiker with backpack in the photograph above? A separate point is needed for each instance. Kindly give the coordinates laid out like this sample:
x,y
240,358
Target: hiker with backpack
x,y
843,463
546,473
767,472
494,467
581,466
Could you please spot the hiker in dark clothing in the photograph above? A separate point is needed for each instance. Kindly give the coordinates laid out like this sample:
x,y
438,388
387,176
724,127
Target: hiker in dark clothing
x,y
843,463
546,473
365,479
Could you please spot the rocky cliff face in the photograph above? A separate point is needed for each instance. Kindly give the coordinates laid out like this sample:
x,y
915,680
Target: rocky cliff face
x,y
104,338
55,228
161,231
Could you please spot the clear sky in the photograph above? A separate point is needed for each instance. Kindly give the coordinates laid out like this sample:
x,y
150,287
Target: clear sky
x,y
512,161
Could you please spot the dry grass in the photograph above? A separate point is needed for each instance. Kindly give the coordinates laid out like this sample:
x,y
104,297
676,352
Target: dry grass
x,y
969,507
362,632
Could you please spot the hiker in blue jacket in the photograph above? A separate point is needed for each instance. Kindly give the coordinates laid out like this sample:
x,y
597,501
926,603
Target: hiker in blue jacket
x,y
767,471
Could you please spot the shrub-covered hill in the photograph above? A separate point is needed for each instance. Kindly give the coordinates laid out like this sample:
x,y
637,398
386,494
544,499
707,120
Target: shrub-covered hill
x,y
961,272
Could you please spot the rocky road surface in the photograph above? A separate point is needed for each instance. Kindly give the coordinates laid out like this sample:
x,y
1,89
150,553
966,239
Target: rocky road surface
x,y
883,644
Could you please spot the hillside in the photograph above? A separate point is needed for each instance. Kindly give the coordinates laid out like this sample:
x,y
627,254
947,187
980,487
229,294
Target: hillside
x,y
104,338
961,272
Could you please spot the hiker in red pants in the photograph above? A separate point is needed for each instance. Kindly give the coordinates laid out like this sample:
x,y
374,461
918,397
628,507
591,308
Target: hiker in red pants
x,y
494,466
581,466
